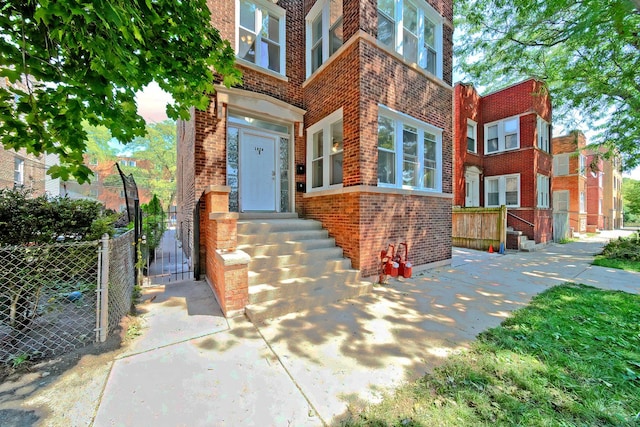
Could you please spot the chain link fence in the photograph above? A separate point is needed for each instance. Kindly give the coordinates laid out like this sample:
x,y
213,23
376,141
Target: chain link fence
x,y
49,295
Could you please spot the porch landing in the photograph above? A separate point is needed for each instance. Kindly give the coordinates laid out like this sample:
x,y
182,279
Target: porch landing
x,y
294,265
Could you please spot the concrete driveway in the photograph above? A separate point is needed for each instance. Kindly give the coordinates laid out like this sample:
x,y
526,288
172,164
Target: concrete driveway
x,y
193,367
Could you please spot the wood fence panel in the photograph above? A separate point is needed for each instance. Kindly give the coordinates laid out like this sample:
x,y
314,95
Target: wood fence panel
x,y
479,228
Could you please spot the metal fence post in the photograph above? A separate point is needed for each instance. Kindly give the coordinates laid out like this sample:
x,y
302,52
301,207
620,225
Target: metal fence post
x,y
102,295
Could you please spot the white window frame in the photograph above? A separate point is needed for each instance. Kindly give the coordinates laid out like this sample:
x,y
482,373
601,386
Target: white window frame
x,y
261,7
400,120
474,125
18,171
501,135
543,191
561,164
583,202
323,125
582,168
322,9
502,190
425,12
543,129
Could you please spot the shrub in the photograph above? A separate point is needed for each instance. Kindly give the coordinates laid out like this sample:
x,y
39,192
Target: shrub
x,y
623,248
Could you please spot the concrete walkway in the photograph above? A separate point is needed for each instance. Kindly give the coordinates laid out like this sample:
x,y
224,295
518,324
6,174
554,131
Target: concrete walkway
x,y
193,367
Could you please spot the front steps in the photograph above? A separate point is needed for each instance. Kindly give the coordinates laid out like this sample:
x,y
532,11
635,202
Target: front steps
x,y
294,266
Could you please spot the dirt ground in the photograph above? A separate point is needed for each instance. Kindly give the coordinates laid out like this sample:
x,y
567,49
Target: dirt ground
x,y
63,391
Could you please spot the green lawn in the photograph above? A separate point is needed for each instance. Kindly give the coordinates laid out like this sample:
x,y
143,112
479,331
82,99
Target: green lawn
x,y
570,358
621,264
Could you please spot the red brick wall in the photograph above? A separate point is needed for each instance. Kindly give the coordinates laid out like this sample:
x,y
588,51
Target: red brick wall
x,y
466,106
574,182
595,218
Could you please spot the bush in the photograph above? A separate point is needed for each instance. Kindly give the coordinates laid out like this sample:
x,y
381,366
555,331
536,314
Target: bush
x,y
33,220
623,248
153,224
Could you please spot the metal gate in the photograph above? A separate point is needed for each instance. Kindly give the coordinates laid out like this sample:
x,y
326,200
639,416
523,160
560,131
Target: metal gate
x,y
172,259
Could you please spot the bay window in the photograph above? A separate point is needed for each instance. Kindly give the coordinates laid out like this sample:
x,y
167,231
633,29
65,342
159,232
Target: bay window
x,y
409,152
413,29
543,135
543,191
260,36
324,32
325,152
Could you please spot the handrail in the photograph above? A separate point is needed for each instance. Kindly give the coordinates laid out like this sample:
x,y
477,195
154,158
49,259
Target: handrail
x,y
521,219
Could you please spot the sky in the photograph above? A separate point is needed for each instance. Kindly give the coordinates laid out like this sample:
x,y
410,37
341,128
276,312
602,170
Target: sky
x,y
152,103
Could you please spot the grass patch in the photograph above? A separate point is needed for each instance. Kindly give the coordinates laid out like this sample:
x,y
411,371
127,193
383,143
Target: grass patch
x,y
570,358
622,253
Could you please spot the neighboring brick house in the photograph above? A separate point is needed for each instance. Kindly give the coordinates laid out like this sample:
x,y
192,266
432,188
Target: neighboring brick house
x,y
106,185
502,154
21,170
344,116
604,192
569,186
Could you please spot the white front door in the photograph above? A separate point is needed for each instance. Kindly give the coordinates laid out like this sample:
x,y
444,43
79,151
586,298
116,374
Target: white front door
x,y
257,164
472,189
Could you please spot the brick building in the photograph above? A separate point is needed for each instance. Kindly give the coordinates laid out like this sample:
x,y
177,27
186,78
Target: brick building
x,y
569,186
604,191
19,169
344,117
502,154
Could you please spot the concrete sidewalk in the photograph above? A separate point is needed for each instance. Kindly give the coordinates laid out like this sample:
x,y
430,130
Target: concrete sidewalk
x,y
193,367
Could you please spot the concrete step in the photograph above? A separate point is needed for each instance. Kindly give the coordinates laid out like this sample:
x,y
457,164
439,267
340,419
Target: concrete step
x,y
277,274
527,245
276,225
310,257
281,237
243,216
290,247
310,298
302,285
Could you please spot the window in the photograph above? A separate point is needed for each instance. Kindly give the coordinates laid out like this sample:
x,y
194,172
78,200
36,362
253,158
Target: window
x,y
502,135
414,30
543,135
325,152
561,164
583,165
561,201
583,199
543,191
502,190
18,172
260,37
472,145
409,152
324,32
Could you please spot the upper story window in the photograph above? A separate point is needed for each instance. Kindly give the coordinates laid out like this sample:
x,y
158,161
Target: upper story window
x,y
472,140
18,172
561,201
544,129
324,32
414,30
502,190
582,168
260,37
131,163
325,152
583,202
561,164
409,152
502,135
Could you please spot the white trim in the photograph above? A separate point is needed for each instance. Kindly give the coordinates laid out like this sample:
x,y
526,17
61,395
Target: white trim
x,y
501,135
379,190
543,184
422,127
475,135
282,42
320,8
265,105
502,190
323,125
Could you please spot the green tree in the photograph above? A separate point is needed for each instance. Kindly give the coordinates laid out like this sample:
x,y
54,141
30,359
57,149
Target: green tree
x,y
158,146
631,198
588,53
76,60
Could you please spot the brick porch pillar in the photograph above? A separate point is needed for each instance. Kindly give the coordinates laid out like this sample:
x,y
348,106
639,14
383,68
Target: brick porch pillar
x,y
227,267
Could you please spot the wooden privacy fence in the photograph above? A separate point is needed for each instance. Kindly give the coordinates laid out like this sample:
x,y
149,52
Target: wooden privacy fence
x,y
479,228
